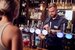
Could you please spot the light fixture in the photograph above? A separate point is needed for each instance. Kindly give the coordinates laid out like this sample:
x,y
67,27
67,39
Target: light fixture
x,y
44,32
23,4
23,13
32,30
26,29
60,35
68,36
41,6
21,27
37,31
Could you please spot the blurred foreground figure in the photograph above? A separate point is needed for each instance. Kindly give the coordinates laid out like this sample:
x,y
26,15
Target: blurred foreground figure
x,y
10,36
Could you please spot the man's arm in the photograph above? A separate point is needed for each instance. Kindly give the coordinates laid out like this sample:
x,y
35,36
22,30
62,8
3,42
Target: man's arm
x,y
46,27
17,43
53,31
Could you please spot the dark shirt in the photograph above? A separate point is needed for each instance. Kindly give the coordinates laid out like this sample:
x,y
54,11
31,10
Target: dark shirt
x,y
56,24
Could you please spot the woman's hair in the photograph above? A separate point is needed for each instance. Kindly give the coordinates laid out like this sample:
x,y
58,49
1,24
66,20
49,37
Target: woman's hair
x,y
9,8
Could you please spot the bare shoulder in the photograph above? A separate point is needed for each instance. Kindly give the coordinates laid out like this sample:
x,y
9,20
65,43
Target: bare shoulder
x,y
13,30
13,34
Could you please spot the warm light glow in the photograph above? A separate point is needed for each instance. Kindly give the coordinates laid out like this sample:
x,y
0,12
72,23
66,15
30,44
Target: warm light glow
x,y
21,28
41,6
23,13
73,7
23,4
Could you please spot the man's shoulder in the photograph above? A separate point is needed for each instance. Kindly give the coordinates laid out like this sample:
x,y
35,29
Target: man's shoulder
x,y
62,17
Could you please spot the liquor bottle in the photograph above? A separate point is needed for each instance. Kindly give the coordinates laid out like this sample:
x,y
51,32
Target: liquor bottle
x,y
66,4
69,26
58,5
63,5
70,4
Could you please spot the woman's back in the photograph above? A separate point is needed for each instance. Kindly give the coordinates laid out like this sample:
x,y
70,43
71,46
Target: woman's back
x,y
10,37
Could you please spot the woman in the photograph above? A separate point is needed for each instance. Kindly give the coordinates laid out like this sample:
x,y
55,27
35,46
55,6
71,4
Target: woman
x,y
10,36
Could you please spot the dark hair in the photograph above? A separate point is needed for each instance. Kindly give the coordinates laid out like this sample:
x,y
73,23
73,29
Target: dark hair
x,y
8,8
52,5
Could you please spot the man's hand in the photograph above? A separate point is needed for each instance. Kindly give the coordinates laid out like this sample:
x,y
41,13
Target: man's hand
x,y
53,31
47,27
41,36
50,30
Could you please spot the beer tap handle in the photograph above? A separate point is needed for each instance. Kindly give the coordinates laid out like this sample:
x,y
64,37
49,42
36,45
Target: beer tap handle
x,y
71,28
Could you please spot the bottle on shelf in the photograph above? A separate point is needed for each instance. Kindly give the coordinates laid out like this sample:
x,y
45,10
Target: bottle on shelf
x,y
58,5
66,4
69,27
63,4
70,4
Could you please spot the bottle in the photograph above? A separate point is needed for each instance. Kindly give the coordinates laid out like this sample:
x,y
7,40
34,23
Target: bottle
x,y
69,26
57,3
66,4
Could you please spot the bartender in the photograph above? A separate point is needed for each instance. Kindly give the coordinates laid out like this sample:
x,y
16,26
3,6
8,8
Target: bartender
x,y
54,23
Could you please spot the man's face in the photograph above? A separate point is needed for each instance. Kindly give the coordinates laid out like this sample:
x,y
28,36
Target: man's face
x,y
52,12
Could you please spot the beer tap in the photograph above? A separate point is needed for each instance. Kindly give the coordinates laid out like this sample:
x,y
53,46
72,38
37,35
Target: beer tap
x,y
44,32
32,30
61,34
28,23
26,29
64,27
38,24
71,28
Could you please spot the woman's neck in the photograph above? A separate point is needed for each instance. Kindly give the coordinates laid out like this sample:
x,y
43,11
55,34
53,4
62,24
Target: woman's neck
x,y
4,20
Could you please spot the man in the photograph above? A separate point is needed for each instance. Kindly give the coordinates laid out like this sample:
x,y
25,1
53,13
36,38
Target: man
x,y
53,24
10,35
